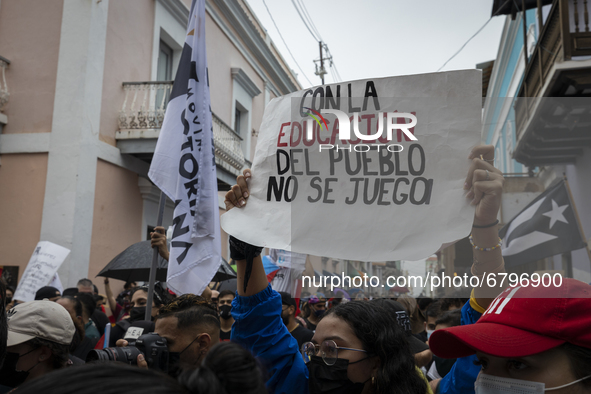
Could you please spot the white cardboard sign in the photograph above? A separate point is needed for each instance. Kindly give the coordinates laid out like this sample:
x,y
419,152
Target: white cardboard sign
x,y
42,267
400,200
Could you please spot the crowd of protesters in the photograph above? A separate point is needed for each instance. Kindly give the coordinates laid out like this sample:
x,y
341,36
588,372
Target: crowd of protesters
x,y
521,339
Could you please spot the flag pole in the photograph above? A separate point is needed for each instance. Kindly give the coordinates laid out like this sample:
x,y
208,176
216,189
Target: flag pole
x,y
572,201
154,261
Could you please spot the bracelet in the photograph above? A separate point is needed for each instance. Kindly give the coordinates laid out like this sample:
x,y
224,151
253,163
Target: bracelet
x,y
486,225
486,249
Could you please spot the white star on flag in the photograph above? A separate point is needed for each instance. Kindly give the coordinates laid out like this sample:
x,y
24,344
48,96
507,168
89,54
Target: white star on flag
x,y
556,214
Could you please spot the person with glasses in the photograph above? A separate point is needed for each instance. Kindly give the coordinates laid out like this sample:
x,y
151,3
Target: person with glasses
x,y
369,352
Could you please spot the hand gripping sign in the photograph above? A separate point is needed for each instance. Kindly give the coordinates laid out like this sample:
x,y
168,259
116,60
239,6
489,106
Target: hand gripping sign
x,y
369,170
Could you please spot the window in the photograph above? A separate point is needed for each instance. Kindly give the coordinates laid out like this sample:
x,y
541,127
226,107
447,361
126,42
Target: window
x,y
164,71
237,115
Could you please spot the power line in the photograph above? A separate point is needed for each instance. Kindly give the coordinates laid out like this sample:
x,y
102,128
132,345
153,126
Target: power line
x,y
307,14
284,43
304,20
309,23
475,34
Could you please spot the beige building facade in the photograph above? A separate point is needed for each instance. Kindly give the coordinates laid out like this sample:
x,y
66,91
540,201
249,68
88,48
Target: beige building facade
x,y
83,86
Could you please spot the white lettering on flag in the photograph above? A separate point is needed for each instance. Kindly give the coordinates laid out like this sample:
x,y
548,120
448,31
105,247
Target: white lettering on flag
x,y
183,167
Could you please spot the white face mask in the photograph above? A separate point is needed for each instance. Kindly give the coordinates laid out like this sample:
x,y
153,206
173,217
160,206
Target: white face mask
x,y
429,332
487,384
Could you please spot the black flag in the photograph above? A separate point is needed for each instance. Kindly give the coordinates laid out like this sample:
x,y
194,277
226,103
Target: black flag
x,y
546,227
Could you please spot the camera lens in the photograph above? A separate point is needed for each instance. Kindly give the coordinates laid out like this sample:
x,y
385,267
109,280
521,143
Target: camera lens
x,y
127,355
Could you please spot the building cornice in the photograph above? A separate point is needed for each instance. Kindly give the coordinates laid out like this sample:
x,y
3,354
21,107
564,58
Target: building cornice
x,y
177,9
256,44
240,76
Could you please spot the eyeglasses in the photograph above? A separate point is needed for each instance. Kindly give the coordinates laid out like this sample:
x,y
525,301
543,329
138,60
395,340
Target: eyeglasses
x,y
329,351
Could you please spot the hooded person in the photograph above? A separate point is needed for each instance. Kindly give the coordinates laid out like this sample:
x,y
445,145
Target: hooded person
x,y
39,337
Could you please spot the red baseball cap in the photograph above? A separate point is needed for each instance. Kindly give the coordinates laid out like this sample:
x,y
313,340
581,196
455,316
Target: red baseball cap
x,y
522,321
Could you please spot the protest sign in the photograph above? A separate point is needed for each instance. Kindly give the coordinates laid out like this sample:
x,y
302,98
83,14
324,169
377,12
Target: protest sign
x,y
42,267
369,170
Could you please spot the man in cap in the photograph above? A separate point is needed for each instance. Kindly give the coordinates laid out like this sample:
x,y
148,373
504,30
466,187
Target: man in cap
x,y
39,336
49,292
532,338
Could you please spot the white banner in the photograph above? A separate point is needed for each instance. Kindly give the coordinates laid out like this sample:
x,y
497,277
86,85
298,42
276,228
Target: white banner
x,y
42,267
184,168
369,170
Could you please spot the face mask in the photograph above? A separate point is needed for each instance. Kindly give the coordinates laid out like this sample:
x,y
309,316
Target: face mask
x,y
429,332
225,311
328,379
319,313
174,360
9,376
137,313
285,319
487,384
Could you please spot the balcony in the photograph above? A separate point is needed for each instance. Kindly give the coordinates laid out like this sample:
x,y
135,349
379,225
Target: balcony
x,y
552,112
140,120
4,95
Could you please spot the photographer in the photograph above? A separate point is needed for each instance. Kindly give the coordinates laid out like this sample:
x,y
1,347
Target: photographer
x,y
190,326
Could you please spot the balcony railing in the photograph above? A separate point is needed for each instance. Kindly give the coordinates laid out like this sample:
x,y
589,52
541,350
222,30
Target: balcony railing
x,y
143,110
147,103
4,95
565,30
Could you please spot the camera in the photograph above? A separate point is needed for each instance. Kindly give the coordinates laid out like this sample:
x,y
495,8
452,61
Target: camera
x,y
151,345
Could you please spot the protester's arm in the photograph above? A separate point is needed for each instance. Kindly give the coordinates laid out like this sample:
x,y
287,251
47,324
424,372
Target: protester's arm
x,y
485,185
237,197
110,298
158,238
257,318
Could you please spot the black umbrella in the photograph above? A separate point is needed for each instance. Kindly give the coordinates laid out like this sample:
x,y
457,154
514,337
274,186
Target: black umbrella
x,y
230,284
133,264
225,272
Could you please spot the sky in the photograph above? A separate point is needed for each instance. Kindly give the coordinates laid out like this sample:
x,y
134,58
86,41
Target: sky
x,y
381,38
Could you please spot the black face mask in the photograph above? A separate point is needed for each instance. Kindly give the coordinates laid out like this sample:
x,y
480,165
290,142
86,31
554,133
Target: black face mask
x,y
137,313
174,361
328,379
225,311
9,376
285,319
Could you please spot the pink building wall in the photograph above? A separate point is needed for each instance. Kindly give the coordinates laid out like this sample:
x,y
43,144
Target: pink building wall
x,y
117,218
22,177
29,38
128,57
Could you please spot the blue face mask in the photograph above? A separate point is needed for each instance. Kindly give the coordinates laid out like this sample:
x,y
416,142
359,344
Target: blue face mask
x,y
488,384
429,332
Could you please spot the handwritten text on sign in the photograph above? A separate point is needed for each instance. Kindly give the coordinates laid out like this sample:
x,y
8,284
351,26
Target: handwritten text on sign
x,y
384,183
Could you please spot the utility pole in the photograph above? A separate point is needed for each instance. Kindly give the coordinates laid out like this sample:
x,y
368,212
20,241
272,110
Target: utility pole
x,y
321,71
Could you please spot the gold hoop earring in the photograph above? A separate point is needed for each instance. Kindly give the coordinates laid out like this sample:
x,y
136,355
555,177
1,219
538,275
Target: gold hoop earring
x,y
373,380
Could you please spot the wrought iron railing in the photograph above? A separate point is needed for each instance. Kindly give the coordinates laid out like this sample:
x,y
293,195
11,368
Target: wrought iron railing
x,y
143,109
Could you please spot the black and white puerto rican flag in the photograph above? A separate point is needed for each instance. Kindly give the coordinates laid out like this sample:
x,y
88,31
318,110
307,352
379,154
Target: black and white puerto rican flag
x,y
546,227
183,167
